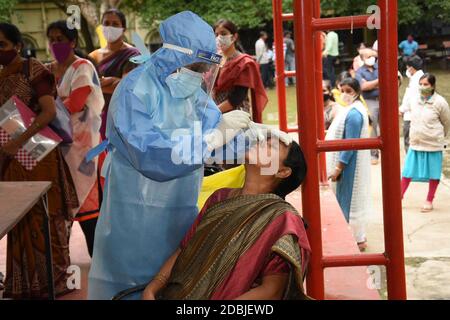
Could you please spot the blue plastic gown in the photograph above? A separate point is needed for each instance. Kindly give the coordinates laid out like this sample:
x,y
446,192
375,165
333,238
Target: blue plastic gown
x,y
150,202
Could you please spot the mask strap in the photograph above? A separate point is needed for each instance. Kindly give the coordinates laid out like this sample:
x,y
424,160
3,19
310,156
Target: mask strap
x,y
178,48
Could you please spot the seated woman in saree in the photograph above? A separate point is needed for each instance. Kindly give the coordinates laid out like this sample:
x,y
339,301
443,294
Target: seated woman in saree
x,y
113,60
246,243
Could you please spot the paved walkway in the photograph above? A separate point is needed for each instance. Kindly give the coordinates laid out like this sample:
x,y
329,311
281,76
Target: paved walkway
x,y
426,238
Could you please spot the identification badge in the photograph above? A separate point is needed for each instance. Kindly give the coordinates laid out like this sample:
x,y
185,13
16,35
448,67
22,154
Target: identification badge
x,y
209,56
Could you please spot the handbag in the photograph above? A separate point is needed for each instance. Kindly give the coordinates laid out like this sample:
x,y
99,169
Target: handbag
x,y
61,124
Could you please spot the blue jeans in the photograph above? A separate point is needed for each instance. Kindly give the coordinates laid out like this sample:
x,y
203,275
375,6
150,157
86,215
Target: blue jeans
x,y
374,110
289,66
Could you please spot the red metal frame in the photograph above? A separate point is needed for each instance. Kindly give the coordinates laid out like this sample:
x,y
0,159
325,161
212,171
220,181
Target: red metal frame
x,y
307,27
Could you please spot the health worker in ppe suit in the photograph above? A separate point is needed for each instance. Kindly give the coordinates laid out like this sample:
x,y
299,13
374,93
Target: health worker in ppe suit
x,y
149,199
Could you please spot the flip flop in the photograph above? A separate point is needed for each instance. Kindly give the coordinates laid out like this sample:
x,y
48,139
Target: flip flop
x,y
2,286
362,246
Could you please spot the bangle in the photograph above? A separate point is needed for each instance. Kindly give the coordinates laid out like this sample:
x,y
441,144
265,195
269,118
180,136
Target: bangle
x,y
161,278
37,125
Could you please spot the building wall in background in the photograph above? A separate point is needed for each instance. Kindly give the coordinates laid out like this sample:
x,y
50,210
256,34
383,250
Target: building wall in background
x,y
32,20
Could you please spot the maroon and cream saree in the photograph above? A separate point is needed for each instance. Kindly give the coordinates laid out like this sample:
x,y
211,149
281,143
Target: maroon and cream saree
x,y
235,242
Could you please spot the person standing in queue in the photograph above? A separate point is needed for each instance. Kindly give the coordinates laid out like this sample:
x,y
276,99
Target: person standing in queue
x,y
79,90
34,85
113,62
238,76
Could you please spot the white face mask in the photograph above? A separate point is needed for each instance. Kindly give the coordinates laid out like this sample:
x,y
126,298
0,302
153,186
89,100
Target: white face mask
x,y
224,42
408,74
370,61
112,34
184,83
348,99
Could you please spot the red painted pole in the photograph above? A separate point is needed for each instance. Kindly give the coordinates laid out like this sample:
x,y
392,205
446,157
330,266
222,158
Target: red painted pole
x,y
318,78
340,23
288,16
354,260
307,120
390,166
349,144
279,63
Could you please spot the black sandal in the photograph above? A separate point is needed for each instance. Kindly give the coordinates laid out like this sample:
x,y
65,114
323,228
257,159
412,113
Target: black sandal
x,y
2,285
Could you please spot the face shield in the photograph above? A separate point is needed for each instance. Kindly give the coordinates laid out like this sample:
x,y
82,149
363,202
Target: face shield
x,y
214,63
194,82
205,70
209,69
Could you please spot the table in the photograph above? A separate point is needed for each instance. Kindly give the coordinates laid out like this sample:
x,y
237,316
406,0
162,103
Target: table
x,y
16,200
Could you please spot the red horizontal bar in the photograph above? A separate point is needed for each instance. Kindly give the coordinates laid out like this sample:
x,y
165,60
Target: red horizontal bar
x,y
290,74
355,260
340,23
349,144
296,130
287,16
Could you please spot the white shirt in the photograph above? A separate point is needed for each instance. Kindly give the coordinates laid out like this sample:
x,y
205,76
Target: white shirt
x,y
411,94
261,52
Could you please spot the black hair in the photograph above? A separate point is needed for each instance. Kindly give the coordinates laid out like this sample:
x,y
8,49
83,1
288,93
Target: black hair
x,y
352,83
263,34
230,26
341,76
286,33
71,35
61,25
119,14
431,79
362,44
415,61
327,84
11,32
296,161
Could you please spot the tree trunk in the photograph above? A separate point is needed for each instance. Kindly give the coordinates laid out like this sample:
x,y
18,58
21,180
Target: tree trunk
x,y
109,4
88,20
87,35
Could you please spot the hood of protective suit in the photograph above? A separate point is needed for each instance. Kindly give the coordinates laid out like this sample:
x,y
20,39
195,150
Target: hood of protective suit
x,y
186,30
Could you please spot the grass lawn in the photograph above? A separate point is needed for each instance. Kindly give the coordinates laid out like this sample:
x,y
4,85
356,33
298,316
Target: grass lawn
x,y
271,111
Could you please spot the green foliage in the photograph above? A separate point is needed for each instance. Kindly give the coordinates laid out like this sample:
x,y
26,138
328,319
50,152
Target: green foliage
x,y
6,8
256,13
245,13
409,11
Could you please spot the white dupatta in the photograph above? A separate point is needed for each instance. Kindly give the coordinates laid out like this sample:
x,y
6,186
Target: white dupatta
x,y
85,124
360,207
